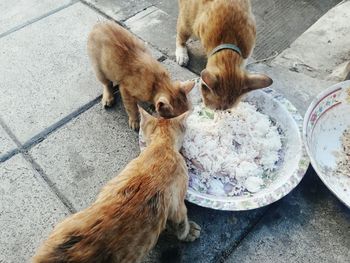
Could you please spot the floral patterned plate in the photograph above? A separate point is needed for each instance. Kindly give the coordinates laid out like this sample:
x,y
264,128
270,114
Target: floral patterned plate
x,y
324,123
291,169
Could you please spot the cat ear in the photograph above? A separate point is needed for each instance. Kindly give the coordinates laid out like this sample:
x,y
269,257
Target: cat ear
x,y
182,118
209,79
187,86
257,81
144,116
163,107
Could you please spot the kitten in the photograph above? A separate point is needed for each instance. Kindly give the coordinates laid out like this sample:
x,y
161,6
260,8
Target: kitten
x,y
218,22
124,223
118,56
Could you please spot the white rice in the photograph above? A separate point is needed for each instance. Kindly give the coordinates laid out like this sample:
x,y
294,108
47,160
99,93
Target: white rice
x,y
241,146
343,157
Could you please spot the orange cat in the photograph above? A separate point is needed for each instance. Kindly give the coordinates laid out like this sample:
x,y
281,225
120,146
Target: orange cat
x,y
216,23
118,56
124,223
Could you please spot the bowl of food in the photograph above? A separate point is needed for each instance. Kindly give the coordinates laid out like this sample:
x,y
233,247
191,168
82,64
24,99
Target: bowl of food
x,y
326,133
244,158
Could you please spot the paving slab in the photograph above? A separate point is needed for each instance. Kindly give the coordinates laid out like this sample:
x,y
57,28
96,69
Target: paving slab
x,y
323,47
119,10
156,27
86,153
55,75
6,144
28,210
17,13
220,232
310,225
169,6
177,72
155,52
281,22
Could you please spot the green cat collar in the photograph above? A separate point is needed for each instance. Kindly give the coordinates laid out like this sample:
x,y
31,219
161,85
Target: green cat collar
x,y
226,46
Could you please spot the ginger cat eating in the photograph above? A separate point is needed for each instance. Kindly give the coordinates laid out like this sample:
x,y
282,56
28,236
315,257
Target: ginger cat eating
x,y
118,56
130,212
227,31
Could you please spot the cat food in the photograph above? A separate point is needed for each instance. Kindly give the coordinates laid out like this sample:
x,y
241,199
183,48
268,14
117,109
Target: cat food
x,y
241,147
343,163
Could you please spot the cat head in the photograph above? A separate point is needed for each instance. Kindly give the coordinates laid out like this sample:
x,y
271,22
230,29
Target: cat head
x,y
222,89
154,128
171,100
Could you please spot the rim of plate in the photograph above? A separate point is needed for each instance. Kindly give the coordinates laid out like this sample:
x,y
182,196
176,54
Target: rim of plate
x,y
320,97
253,202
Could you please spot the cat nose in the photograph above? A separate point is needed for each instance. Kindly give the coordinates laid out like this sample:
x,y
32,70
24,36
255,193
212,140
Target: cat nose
x,y
220,108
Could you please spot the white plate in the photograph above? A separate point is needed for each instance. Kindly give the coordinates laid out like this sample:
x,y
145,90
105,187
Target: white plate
x,y
325,121
292,167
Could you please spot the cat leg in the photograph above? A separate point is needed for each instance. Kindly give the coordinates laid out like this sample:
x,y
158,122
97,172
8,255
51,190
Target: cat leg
x,y
182,35
185,230
130,105
108,95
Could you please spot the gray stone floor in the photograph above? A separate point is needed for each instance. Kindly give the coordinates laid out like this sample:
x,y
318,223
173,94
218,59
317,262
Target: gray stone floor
x,y
58,146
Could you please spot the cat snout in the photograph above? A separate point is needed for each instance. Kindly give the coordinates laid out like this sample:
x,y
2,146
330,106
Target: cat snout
x,y
223,107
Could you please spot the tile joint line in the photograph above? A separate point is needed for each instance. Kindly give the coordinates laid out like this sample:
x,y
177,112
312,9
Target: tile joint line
x,y
24,148
35,167
227,253
36,19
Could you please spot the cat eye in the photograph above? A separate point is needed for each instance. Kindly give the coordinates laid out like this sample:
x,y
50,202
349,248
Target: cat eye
x,y
205,85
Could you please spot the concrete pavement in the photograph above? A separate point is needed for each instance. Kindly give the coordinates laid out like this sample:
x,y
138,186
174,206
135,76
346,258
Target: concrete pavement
x,y
58,146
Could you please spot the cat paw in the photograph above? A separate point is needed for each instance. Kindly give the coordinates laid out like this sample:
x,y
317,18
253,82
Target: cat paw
x,y
107,101
134,124
181,56
193,233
